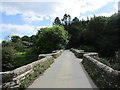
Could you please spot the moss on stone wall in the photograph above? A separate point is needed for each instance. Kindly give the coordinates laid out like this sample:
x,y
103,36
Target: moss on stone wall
x,y
102,75
36,72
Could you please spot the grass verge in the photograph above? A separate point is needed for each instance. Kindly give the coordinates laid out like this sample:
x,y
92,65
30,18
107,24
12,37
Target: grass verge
x,y
37,71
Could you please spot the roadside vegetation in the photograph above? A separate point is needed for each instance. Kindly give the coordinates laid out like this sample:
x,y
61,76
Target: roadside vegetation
x,y
99,34
113,62
37,72
20,51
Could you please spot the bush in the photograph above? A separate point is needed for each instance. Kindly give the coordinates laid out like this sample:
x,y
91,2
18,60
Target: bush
x,y
17,45
113,62
49,39
15,39
31,54
8,56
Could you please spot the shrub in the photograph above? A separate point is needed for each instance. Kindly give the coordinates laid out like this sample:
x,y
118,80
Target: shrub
x,y
111,62
49,39
8,56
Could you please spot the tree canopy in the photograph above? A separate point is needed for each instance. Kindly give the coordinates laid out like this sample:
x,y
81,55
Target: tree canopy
x,y
51,38
101,33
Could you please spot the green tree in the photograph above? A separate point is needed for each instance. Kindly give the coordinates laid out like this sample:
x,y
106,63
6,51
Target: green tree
x,y
109,42
19,46
15,38
8,56
57,21
75,29
66,19
7,43
52,38
75,19
32,38
25,38
94,29
69,18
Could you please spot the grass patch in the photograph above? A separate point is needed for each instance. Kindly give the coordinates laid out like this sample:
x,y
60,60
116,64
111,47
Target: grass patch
x,y
20,60
37,72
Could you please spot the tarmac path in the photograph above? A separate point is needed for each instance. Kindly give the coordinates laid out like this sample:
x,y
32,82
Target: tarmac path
x,y
66,72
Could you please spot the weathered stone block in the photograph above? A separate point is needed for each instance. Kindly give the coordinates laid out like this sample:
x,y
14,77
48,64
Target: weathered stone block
x,y
107,74
12,78
78,53
7,76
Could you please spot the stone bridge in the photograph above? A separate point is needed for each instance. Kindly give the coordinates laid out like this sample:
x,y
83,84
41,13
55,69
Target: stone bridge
x,y
67,71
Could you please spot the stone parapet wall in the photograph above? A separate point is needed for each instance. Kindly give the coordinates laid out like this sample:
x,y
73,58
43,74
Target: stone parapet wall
x,y
78,53
103,75
11,79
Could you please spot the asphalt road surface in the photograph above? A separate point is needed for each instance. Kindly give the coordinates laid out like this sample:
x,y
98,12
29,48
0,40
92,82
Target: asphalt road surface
x,y
66,72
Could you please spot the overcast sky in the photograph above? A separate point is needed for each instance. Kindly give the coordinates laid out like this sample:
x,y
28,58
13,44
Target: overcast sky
x,y
26,17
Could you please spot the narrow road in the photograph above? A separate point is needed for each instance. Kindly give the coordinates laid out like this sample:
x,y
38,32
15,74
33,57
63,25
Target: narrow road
x,y
65,72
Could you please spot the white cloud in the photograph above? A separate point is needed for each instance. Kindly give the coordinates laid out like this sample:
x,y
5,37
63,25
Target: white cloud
x,y
100,14
105,14
31,16
10,10
28,0
116,5
32,11
20,30
1,41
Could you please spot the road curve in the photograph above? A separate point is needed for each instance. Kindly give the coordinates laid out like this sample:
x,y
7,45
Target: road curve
x,y
65,72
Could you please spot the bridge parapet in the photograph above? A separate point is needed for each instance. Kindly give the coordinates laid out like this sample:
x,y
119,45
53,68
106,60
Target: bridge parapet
x,y
12,79
54,54
102,74
78,53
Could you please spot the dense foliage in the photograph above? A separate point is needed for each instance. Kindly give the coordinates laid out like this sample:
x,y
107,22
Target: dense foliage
x,y
20,51
52,38
13,53
49,39
100,34
8,56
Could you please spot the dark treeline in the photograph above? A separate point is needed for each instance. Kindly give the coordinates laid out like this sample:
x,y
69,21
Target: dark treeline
x,y
100,34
